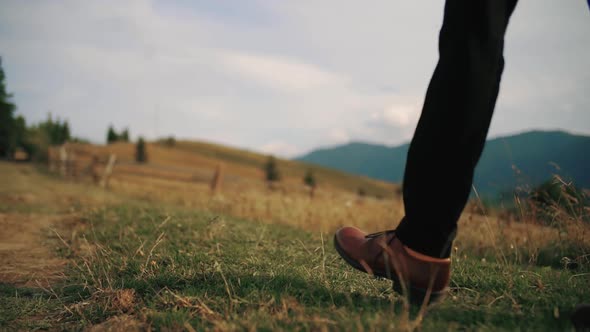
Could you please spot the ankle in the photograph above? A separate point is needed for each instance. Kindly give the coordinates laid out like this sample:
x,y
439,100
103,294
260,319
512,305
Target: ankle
x,y
424,257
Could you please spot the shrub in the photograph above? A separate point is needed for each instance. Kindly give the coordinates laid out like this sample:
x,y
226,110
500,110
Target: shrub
x,y
271,170
140,151
309,179
556,199
169,141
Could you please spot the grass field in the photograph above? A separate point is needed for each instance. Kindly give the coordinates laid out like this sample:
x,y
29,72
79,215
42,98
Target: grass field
x,y
196,162
163,253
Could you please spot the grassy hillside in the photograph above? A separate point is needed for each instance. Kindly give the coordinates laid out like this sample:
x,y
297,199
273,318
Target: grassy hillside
x,y
196,161
521,160
293,171
151,255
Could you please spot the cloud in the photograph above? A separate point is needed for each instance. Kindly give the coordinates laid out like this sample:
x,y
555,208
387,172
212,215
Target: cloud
x,y
292,73
338,136
398,115
280,148
285,73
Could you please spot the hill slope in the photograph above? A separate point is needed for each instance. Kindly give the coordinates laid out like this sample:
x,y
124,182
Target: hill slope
x,y
197,161
525,159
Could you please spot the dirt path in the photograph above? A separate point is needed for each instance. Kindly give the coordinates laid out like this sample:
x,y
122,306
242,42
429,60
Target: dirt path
x,y
40,216
34,207
27,250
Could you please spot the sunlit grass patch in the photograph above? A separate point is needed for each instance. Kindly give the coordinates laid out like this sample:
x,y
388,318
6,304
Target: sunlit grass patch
x,y
165,255
212,271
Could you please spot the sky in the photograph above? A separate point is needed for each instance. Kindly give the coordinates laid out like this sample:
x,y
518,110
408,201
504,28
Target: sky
x,y
279,77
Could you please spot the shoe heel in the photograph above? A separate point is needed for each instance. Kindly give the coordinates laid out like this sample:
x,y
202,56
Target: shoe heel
x,y
418,295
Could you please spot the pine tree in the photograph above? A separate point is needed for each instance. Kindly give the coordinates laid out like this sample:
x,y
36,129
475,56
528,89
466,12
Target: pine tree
x,y
140,151
20,128
111,135
271,169
7,134
124,135
64,132
309,180
361,192
57,132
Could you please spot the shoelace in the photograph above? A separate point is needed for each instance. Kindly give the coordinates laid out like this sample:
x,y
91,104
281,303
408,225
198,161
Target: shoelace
x,y
378,234
374,236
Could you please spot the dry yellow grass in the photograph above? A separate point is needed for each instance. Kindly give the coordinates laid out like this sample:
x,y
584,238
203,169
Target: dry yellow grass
x,y
481,236
329,210
198,161
181,176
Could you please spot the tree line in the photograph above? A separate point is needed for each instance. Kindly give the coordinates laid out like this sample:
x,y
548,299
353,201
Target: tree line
x,y
15,134
113,136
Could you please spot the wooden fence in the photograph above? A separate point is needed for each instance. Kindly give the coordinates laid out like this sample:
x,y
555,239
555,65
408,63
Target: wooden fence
x,y
74,162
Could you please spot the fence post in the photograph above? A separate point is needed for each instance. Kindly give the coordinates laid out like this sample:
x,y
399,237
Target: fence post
x,y
51,159
63,160
217,178
72,165
104,182
95,170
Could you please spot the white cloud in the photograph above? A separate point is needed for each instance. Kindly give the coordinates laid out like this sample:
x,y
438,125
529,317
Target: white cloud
x,y
338,136
402,112
291,71
280,148
399,116
285,73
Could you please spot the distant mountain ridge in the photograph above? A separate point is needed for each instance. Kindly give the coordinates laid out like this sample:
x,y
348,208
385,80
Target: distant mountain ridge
x,y
526,159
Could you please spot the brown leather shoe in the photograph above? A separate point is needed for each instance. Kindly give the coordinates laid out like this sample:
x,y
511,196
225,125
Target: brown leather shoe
x,y
382,254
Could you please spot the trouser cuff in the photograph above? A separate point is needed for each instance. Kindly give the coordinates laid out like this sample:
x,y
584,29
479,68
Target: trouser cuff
x,y
430,242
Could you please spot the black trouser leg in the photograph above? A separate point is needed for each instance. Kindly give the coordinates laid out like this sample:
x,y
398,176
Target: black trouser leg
x,y
452,129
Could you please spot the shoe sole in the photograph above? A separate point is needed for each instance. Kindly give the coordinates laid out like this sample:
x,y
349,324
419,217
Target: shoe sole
x,y
416,295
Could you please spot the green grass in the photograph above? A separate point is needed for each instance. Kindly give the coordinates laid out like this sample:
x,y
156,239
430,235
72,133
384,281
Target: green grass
x,y
217,272
167,267
17,305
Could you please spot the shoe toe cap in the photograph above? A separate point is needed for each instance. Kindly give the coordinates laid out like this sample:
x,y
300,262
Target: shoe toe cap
x,y
350,239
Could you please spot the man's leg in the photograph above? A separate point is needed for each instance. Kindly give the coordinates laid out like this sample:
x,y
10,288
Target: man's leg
x,y
452,129
444,151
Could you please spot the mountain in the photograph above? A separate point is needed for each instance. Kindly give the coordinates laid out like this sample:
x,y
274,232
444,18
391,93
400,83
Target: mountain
x,y
526,159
